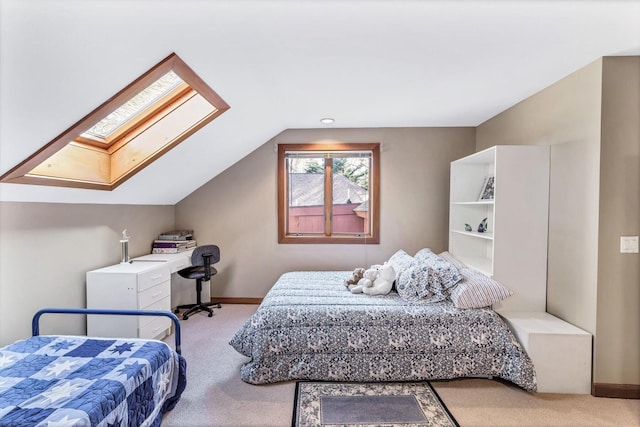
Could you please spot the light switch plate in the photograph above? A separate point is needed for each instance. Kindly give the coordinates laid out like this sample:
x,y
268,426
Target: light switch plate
x,y
628,244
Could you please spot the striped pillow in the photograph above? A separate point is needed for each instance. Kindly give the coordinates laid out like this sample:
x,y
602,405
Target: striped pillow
x,y
476,290
453,260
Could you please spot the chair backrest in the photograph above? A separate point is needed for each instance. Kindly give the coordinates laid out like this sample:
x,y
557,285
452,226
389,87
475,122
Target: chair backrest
x,y
196,256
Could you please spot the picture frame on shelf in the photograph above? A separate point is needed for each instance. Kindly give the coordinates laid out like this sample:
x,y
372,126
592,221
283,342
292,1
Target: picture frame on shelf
x,y
487,189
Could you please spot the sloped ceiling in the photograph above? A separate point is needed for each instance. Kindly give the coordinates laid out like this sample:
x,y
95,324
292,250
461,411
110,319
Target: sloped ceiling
x,y
285,64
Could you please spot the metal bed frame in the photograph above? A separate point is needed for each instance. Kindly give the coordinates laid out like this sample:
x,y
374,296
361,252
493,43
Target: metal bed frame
x,y
35,326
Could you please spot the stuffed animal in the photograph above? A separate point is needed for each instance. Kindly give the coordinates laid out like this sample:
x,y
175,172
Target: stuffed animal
x,y
357,275
383,282
366,281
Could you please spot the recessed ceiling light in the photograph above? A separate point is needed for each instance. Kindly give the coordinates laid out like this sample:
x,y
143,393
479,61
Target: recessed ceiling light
x,y
327,121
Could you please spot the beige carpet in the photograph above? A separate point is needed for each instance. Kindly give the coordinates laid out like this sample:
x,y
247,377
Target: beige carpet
x,y
481,403
215,395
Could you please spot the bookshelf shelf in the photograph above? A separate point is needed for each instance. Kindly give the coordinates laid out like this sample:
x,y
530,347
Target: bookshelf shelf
x,y
478,203
475,234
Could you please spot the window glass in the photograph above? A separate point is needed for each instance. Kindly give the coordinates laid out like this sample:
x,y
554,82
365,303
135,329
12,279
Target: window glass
x,y
328,193
350,177
306,195
135,105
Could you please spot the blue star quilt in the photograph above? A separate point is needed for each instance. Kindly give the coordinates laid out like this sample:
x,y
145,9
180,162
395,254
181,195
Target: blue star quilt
x,y
78,381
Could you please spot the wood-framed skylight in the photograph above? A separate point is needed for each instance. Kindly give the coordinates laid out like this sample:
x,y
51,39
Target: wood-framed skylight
x,y
153,114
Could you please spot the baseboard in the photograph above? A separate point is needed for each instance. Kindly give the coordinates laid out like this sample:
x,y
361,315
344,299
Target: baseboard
x,y
621,391
232,300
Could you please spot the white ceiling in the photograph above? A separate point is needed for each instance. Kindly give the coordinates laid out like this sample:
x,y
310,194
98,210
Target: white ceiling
x,y
285,64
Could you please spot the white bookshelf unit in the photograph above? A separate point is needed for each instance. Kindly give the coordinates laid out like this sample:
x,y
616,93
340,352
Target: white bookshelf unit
x,y
513,249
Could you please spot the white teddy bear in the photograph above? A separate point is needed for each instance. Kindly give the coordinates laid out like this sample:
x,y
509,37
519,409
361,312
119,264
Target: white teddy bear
x,y
366,281
376,281
384,282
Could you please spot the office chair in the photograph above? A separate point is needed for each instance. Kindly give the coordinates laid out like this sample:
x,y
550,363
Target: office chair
x,y
201,270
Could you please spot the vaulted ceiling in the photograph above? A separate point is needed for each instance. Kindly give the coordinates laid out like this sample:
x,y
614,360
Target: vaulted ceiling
x,y
285,64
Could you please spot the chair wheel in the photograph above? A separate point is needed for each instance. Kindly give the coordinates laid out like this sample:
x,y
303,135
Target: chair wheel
x,y
176,311
185,317
219,306
210,314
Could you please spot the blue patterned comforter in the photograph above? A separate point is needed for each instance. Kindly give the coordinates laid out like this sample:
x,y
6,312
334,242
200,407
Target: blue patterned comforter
x,y
309,326
79,381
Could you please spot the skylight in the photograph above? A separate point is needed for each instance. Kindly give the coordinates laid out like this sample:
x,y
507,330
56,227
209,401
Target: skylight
x,y
134,106
153,114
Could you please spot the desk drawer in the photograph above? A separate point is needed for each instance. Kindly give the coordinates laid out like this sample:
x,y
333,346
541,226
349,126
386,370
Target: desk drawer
x,y
154,328
154,294
153,277
163,304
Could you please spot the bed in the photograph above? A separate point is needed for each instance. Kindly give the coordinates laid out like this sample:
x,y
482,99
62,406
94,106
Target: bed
x,y
310,327
89,381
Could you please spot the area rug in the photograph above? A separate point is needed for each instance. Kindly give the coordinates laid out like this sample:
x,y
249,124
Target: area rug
x,y
405,404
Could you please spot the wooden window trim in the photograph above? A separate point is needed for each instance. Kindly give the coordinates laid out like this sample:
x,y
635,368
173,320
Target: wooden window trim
x,y
72,136
374,202
164,109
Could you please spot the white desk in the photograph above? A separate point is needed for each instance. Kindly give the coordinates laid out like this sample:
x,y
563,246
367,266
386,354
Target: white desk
x,y
183,291
174,261
143,284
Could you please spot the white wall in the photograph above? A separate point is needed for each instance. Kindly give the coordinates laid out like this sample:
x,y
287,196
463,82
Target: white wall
x,y
618,323
565,116
237,209
47,248
591,120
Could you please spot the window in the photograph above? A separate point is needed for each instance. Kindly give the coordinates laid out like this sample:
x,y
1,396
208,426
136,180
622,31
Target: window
x,y
328,193
104,130
143,121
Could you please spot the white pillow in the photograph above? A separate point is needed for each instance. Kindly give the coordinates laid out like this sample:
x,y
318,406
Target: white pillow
x,y
400,261
476,290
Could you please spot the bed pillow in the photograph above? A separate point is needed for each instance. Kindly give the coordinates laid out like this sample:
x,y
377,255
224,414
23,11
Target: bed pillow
x,y
448,275
476,290
400,261
452,260
415,284
428,278
448,270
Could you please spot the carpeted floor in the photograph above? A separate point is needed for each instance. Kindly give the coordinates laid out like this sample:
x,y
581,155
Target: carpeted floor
x,y
215,395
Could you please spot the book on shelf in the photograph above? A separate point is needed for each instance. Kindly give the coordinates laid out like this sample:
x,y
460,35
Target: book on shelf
x,y
187,244
176,235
